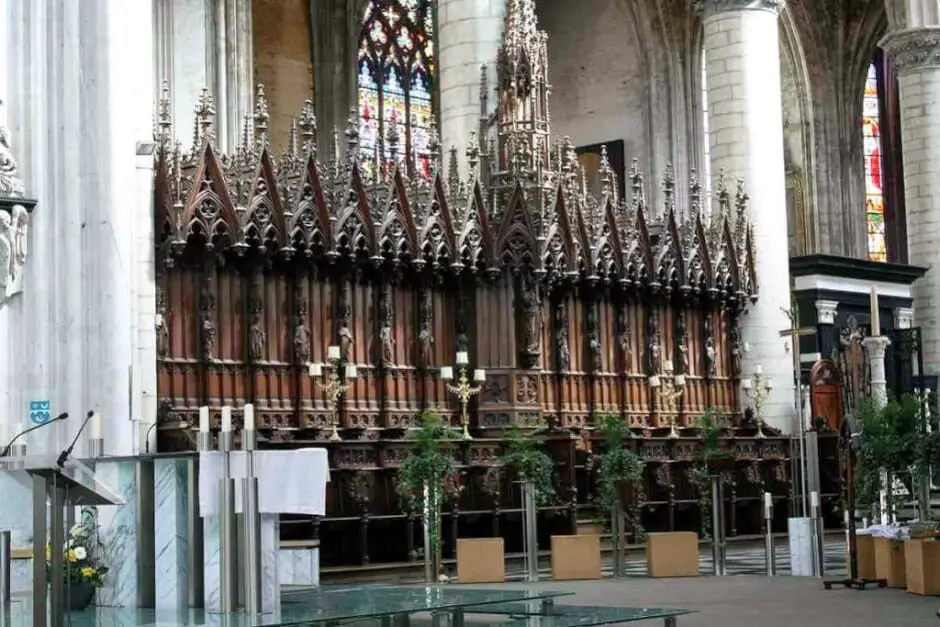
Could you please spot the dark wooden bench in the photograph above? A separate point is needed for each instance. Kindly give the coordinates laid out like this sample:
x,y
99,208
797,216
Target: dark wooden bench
x,y
555,615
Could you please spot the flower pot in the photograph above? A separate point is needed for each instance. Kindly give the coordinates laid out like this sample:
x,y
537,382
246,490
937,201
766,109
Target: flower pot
x,y
78,596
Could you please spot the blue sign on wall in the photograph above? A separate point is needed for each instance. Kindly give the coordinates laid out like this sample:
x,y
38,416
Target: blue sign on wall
x,y
40,412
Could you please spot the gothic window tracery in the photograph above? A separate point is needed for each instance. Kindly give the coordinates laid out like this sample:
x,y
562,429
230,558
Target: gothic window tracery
x,y
396,74
874,170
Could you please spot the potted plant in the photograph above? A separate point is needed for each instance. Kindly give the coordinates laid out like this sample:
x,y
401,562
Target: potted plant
x,y
711,462
427,481
618,468
83,572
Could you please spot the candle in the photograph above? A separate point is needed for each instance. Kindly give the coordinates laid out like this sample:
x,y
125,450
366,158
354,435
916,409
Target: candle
x,y
350,371
332,352
768,500
680,380
747,347
315,370
758,369
814,499
249,417
668,365
479,375
875,320
769,384
96,426
462,358
654,381
447,373
226,419
204,419
745,384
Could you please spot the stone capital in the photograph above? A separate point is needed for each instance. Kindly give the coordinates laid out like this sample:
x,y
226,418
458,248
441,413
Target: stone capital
x,y
876,347
826,311
711,7
913,49
903,317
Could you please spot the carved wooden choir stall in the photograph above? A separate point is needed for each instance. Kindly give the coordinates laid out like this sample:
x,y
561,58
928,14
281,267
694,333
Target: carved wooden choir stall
x,y
575,302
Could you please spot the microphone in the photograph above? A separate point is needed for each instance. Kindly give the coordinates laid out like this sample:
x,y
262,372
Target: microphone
x,y
64,455
9,445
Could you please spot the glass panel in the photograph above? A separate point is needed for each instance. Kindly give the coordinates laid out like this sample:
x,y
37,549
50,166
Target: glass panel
x,y
397,36
874,179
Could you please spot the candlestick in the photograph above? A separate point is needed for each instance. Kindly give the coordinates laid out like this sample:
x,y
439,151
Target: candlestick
x,y
204,420
479,375
95,426
332,352
447,373
226,419
875,318
462,358
315,370
249,417
464,390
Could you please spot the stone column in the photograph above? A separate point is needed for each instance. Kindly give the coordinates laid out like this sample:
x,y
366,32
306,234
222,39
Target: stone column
x,y
81,111
469,35
876,347
915,55
745,120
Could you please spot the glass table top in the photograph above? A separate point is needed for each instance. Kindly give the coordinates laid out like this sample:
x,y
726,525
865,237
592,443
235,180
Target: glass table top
x,y
300,607
579,615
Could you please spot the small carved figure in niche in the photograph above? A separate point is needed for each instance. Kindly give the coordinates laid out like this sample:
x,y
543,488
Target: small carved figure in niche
x,y
425,345
463,341
561,339
163,335
737,352
594,338
6,250
301,341
386,340
346,342
683,346
208,336
532,319
656,352
257,340
624,339
711,363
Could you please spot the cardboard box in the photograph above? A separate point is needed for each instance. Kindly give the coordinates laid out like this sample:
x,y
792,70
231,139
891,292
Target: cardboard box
x,y
922,566
672,554
576,557
481,560
889,562
865,546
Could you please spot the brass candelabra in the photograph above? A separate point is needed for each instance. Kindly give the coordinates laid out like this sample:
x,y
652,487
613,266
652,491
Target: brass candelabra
x,y
464,390
669,388
758,388
333,385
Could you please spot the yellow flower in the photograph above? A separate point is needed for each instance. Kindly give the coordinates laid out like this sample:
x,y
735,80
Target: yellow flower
x,y
88,572
70,556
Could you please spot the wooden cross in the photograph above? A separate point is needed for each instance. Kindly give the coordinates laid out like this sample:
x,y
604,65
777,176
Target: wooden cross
x,y
795,332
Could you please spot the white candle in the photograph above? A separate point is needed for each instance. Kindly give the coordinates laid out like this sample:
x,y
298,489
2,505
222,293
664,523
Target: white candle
x,y
479,375
332,352
226,418
204,419
814,499
95,421
447,373
747,347
249,417
769,384
351,371
758,369
462,358
668,365
768,500
654,381
315,370
680,380
875,317
745,384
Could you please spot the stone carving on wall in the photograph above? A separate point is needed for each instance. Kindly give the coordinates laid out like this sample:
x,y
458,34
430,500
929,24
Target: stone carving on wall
x,y
257,338
913,48
425,335
624,337
344,332
655,346
531,323
594,338
11,186
15,223
682,346
386,320
162,325
207,307
737,351
301,338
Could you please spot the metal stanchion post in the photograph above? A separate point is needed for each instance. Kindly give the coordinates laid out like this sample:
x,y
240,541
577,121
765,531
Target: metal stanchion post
x,y
818,569
769,552
5,564
530,533
195,552
252,517
718,528
228,593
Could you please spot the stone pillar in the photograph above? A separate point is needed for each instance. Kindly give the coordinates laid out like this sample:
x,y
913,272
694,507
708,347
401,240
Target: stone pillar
x,y
745,121
469,35
81,111
875,347
915,55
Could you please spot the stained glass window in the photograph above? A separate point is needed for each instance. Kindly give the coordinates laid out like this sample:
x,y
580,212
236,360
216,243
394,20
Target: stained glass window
x,y
396,69
874,173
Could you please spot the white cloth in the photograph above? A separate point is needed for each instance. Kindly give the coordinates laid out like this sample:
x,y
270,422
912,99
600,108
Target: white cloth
x,y
289,482
892,532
